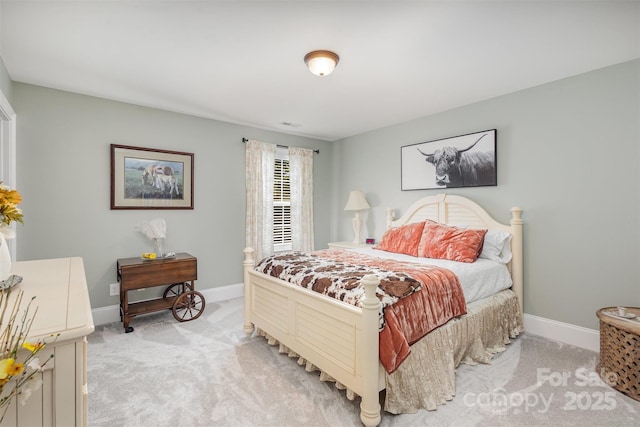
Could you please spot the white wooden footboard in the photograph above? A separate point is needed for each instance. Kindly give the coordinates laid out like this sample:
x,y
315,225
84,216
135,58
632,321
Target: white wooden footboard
x,y
340,339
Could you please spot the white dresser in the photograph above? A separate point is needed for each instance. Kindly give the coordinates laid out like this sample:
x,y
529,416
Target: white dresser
x,y
62,298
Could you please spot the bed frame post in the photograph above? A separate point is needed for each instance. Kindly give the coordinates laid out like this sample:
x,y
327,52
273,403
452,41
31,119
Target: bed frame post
x,y
370,405
517,271
248,264
389,218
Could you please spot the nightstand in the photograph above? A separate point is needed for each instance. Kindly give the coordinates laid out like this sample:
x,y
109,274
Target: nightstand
x,y
347,245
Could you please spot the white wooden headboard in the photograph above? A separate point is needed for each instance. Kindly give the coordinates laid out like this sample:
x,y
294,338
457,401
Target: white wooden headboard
x,y
459,211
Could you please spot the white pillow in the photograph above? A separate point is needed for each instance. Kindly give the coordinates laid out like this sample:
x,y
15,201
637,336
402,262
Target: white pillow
x,y
497,246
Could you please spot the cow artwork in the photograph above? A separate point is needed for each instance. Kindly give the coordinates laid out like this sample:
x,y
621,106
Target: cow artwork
x,y
456,165
161,177
461,168
149,178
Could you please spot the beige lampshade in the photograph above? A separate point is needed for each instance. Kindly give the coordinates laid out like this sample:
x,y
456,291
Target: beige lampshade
x,y
356,201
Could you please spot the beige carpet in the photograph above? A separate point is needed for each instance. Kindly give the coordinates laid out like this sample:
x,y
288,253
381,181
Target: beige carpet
x,y
208,373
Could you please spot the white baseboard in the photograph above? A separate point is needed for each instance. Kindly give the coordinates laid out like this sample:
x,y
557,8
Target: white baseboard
x,y
563,332
104,315
546,328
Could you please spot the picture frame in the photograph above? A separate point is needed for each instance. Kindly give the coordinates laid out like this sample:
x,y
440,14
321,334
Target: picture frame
x,y
468,160
149,178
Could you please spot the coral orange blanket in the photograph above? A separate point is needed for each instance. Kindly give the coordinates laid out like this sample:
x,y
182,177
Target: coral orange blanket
x,y
416,299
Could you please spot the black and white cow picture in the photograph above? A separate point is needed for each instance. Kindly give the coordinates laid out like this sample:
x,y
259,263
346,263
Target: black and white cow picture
x,y
462,168
457,162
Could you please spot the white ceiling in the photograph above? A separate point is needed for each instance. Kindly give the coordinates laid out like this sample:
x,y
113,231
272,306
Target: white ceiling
x,y
242,61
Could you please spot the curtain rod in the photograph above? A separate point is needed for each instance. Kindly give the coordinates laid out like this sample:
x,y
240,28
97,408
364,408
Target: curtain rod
x,y
282,146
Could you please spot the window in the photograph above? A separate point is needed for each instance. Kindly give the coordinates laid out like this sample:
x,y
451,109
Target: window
x,y
281,202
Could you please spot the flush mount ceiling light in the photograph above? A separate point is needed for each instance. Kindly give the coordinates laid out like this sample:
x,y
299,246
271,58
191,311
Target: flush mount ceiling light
x,y
321,62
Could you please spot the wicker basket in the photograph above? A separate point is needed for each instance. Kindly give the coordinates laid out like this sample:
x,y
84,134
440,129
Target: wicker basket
x,y
620,352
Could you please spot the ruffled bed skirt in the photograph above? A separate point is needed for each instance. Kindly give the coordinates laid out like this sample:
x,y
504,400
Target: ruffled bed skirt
x,y
426,378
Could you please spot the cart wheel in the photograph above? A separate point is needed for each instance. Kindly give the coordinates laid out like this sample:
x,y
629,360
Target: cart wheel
x,y
128,329
188,306
176,289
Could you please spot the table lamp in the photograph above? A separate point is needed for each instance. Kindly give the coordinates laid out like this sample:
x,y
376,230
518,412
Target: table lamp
x,y
356,203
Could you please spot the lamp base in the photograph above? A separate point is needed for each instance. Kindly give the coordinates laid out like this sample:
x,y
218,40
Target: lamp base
x,y
357,224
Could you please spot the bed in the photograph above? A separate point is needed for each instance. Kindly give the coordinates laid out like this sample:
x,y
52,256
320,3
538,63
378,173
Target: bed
x,y
340,339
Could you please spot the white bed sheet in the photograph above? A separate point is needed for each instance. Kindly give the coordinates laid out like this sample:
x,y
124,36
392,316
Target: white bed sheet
x,y
479,279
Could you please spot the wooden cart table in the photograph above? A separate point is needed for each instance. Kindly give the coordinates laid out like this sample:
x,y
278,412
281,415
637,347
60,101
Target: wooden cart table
x,y
620,350
177,273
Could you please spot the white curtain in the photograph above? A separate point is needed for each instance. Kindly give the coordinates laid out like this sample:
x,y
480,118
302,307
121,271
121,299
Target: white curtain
x,y
301,179
260,160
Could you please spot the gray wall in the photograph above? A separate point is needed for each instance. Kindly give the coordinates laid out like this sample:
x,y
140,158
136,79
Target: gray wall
x,y
64,169
568,154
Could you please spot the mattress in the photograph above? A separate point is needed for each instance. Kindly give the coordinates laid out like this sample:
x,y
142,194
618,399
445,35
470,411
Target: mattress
x,y
479,279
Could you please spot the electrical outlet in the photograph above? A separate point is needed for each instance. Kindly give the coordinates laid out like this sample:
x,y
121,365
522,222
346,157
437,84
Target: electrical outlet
x,y
114,289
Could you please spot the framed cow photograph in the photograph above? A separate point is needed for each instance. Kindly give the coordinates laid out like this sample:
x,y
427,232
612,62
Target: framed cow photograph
x,y
148,178
460,161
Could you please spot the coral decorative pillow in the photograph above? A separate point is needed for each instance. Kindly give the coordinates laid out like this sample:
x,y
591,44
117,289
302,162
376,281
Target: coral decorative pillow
x,y
453,243
402,240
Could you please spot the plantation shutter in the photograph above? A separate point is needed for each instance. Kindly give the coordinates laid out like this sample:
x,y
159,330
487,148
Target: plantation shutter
x,y
281,202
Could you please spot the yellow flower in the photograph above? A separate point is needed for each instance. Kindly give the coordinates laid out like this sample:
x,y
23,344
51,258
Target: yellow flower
x,y
33,348
16,369
6,366
9,199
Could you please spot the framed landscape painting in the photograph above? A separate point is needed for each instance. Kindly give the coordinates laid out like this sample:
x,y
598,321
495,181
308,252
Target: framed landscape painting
x,y
147,178
460,161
